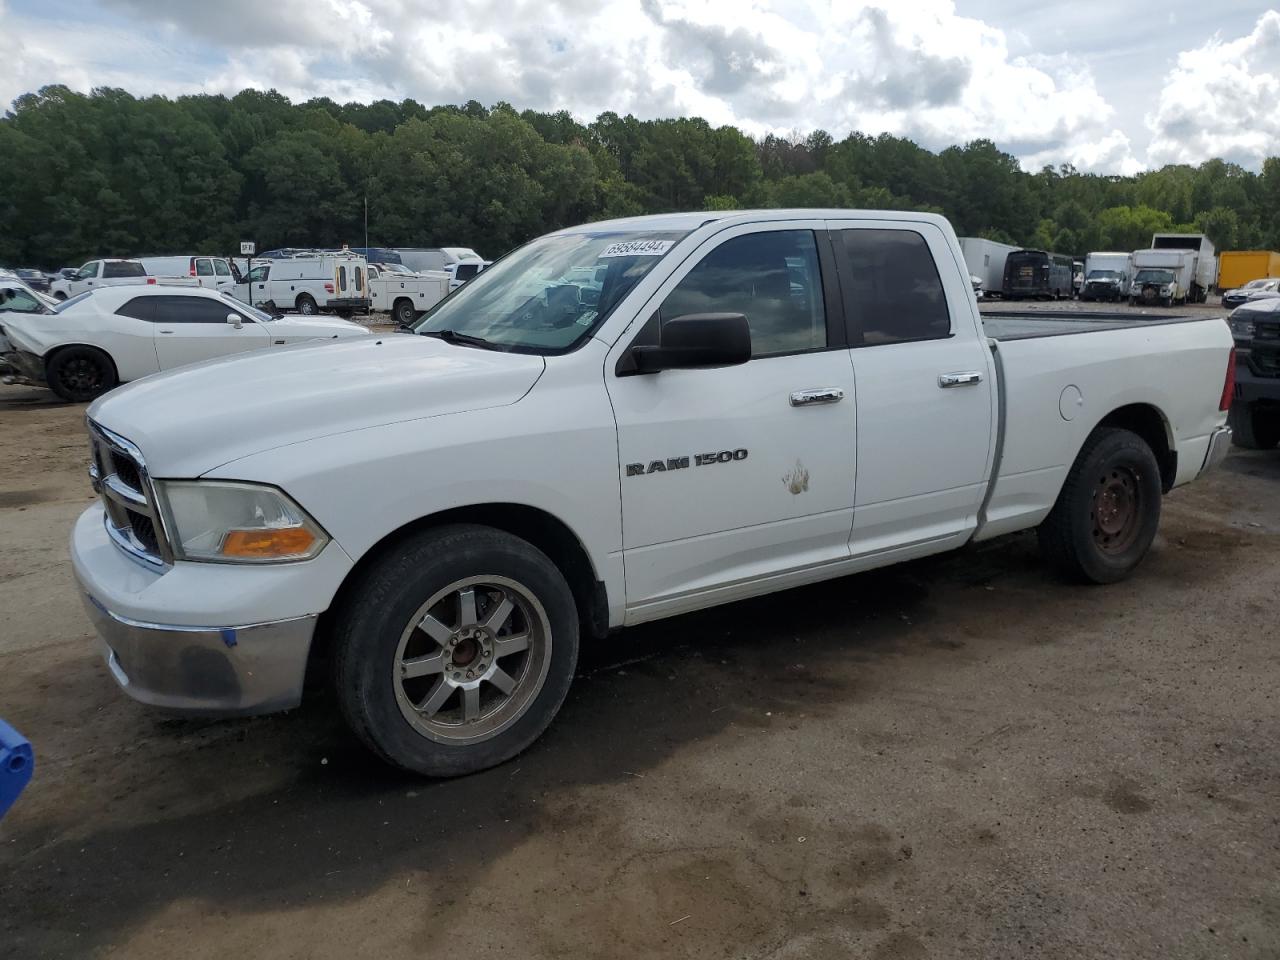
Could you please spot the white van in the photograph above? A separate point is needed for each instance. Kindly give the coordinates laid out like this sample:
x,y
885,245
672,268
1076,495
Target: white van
x,y
336,282
214,273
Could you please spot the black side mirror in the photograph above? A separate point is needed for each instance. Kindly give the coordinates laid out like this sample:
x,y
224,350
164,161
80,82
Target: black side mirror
x,y
695,340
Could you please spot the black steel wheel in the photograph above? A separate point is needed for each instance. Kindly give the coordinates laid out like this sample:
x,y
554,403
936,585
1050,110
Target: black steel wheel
x,y
80,374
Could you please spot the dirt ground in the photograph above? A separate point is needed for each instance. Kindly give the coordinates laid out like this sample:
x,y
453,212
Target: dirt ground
x,y
960,757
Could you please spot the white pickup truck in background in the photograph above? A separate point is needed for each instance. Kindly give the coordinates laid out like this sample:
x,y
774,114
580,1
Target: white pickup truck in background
x,y
405,295
736,403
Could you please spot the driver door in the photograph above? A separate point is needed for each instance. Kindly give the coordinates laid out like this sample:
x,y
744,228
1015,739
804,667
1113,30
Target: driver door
x,y
734,476
195,328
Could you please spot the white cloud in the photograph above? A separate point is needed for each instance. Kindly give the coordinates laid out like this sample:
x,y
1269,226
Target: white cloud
x,y
1222,100
782,66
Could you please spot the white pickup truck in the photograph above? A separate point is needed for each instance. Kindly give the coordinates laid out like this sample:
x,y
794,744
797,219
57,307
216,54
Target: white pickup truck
x,y
97,274
736,403
406,296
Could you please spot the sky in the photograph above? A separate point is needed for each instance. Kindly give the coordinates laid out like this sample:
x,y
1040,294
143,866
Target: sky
x,y
1110,87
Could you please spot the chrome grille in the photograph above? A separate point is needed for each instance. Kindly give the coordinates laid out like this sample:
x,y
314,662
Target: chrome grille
x,y
119,475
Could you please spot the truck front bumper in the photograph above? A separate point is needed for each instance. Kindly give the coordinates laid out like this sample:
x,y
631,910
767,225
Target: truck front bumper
x,y
213,639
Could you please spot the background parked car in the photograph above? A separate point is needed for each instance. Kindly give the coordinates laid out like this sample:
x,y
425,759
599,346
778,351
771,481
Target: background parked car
x,y
35,279
1255,405
116,334
1253,290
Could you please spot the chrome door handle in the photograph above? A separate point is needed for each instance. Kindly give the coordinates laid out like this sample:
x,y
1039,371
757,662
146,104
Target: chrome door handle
x,y
807,398
966,379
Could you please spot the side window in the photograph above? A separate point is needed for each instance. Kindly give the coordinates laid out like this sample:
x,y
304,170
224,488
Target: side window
x,y
122,268
204,268
88,271
221,269
892,289
466,271
259,274
772,279
190,310
140,308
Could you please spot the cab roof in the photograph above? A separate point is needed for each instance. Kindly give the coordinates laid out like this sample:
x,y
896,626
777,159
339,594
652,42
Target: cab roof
x,y
693,219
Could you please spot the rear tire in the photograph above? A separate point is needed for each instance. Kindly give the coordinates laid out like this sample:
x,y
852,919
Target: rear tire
x,y
1252,428
59,296
427,615
1108,510
80,374
307,306
404,312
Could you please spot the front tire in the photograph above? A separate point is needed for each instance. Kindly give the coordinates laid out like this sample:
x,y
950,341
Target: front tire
x,y
307,306
455,650
1252,428
80,374
1108,510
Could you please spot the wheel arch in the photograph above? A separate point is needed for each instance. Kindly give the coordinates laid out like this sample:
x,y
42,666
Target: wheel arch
x,y
1150,423
47,357
534,525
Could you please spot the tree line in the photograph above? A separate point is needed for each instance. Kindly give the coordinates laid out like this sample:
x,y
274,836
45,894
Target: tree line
x,y
107,173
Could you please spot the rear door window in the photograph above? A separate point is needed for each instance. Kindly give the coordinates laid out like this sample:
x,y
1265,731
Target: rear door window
x,y
892,290
342,278
221,268
204,268
122,268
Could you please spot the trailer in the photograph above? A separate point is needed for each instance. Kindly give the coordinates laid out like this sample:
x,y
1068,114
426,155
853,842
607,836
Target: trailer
x,y
1238,267
985,260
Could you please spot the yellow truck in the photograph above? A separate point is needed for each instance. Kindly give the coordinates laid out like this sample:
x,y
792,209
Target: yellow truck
x,y
1238,267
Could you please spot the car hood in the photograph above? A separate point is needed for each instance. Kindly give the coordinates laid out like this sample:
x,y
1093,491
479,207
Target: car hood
x,y
319,326
23,330
196,418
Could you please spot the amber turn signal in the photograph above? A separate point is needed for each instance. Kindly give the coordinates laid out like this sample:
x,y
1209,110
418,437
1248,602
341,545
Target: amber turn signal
x,y
269,544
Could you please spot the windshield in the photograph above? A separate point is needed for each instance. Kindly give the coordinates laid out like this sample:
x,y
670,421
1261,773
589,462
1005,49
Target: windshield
x,y
1254,284
248,311
547,296
1104,274
1153,276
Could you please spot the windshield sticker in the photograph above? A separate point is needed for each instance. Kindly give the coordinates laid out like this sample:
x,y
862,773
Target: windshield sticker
x,y
637,248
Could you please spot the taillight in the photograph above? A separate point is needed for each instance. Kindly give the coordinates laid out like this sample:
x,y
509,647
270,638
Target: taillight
x,y
150,280
328,288
1229,385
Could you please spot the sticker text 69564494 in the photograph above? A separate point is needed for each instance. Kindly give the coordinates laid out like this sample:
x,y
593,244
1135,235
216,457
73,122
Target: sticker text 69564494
x,y
636,248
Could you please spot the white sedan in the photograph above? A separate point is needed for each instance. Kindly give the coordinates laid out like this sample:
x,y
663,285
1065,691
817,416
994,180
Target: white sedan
x,y
90,343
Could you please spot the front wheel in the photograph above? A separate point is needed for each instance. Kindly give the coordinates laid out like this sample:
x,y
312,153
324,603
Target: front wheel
x,y
80,374
307,306
1253,427
1108,510
456,650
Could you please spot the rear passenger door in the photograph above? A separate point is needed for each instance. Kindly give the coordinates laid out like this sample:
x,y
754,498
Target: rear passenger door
x,y
194,328
926,400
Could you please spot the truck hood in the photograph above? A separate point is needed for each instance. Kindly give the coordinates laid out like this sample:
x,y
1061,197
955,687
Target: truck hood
x,y
196,418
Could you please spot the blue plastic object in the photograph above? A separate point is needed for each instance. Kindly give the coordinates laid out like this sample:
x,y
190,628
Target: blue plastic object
x,y
16,764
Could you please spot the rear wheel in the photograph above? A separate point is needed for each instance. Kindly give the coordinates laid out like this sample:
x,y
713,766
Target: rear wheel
x,y
1108,510
59,295
1254,427
404,312
456,650
307,306
80,374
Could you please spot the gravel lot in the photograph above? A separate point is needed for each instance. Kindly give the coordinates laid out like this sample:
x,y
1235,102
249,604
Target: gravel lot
x,y
959,757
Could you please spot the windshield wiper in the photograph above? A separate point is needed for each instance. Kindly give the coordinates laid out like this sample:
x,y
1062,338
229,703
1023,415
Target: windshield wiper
x,y
452,336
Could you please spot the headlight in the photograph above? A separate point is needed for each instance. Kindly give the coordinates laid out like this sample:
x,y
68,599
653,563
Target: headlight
x,y
227,522
1243,329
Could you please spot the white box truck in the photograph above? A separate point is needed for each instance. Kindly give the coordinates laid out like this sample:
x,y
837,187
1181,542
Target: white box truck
x,y
1107,276
1162,277
1205,274
985,260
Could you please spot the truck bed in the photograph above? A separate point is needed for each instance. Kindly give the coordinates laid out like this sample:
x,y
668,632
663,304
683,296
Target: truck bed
x,y
1006,325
